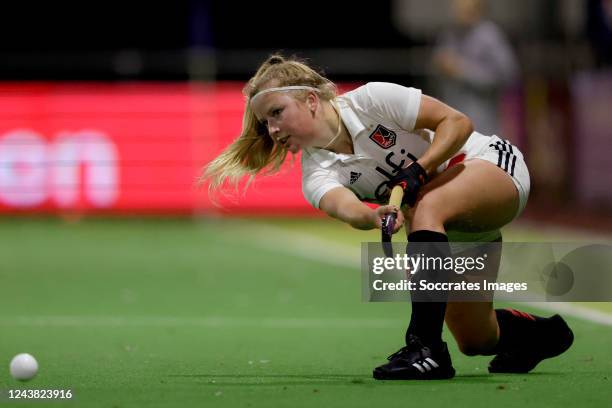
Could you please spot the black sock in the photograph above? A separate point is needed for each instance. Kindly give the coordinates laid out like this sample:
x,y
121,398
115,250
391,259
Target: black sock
x,y
428,309
516,328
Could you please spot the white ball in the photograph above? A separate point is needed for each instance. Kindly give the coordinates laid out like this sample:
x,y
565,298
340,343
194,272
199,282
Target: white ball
x,y
23,366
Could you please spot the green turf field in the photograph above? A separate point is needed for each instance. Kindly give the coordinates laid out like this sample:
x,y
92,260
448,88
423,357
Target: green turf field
x,y
131,313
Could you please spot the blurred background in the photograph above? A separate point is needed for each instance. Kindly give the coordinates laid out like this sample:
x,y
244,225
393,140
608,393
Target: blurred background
x,y
114,107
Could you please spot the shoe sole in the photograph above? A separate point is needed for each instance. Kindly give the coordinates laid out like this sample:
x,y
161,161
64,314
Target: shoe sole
x,y
446,375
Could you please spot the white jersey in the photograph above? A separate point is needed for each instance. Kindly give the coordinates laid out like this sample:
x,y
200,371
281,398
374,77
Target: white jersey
x,y
380,118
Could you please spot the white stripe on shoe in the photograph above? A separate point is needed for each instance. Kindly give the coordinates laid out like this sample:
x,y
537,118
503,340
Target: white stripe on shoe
x,y
433,363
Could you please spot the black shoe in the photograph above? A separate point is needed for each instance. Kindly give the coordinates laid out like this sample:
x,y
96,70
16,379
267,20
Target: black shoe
x,y
558,337
417,362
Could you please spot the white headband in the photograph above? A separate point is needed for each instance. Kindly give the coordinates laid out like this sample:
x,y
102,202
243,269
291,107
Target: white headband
x,y
284,89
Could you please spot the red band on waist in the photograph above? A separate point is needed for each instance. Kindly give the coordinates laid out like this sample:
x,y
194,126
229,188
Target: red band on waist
x,y
456,160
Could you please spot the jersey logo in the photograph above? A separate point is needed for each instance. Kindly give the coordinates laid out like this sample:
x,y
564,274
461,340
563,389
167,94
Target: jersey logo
x,y
383,137
354,177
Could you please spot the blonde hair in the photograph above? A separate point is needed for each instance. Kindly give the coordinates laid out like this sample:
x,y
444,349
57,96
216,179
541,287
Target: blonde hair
x,y
254,151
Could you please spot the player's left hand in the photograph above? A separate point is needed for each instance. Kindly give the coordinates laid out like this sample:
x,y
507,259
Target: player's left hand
x,y
412,178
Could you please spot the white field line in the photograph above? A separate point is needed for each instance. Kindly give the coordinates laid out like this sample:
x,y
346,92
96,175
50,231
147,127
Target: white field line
x,y
206,322
330,252
573,310
307,246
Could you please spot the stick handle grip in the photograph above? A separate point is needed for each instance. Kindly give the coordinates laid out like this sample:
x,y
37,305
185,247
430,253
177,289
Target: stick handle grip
x,y
389,221
396,196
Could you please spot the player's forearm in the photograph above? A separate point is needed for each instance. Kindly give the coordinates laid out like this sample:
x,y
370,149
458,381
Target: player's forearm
x,y
357,215
451,134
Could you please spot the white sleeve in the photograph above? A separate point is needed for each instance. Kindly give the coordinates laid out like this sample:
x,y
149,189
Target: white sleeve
x,y
392,101
316,181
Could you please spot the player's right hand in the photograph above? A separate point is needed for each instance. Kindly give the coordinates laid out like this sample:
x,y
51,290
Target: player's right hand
x,y
383,210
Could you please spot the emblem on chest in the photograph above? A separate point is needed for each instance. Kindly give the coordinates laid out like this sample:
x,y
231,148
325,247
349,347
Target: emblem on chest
x,y
383,137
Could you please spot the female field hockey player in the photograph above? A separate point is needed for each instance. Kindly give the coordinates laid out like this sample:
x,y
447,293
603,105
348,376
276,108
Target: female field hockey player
x,y
460,185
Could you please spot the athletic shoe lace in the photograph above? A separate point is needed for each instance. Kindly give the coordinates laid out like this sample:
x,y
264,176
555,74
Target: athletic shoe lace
x,y
398,353
414,344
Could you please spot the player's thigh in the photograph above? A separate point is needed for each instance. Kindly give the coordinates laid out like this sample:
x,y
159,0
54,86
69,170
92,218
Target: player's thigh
x,y
472,196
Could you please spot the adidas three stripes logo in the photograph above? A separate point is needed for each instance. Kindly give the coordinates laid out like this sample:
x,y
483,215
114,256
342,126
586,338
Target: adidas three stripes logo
x,y
423,365
507,159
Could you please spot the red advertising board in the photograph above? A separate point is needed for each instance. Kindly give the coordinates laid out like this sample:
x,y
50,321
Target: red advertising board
x,y
99,147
